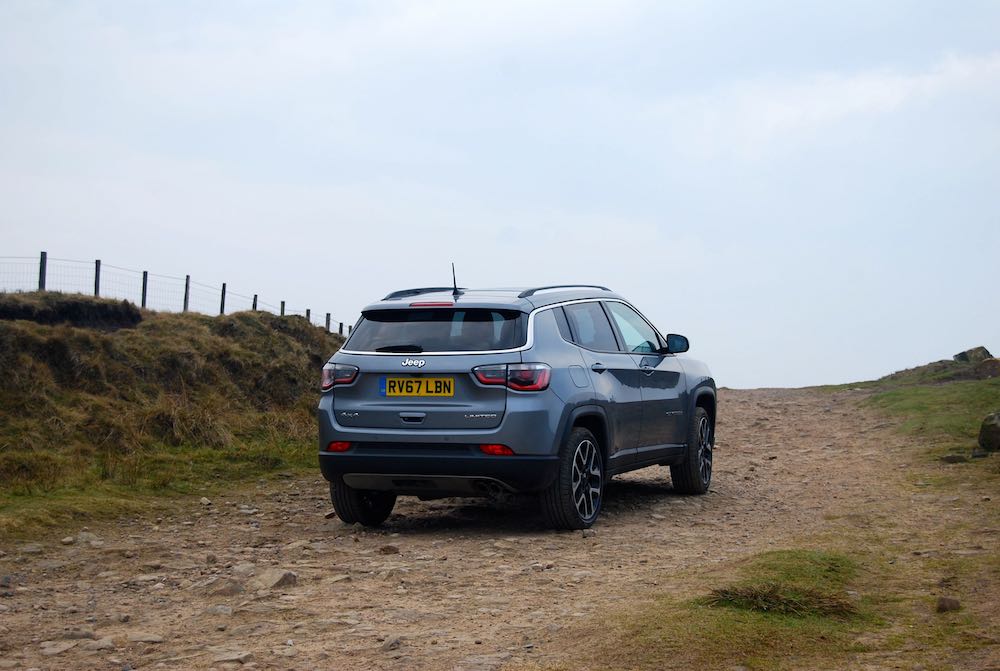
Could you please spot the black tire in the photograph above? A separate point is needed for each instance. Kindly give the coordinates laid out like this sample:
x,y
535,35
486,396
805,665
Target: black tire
x,y
573,500
369,507
694,474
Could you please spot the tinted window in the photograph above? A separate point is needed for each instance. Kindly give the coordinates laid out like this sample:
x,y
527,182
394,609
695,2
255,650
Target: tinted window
x,y
590,327
562,324
637,334
438,330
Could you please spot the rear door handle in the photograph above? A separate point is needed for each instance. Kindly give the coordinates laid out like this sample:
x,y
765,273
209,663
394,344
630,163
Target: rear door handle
x,y
598,368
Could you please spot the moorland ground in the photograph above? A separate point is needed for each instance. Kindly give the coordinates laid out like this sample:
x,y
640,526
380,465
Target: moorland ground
x,y
815,488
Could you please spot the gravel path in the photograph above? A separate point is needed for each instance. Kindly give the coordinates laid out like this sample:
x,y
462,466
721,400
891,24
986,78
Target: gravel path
x,y
260,579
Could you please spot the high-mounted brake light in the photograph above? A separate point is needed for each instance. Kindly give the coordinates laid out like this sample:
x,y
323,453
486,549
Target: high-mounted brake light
x,y
338,446
337,373
516,376
432,304
496,450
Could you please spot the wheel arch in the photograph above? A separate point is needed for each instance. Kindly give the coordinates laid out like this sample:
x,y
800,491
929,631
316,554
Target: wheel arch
x,y
705,397
594,419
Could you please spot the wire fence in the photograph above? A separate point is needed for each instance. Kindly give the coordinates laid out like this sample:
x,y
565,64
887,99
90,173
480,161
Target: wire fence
x,y
166,293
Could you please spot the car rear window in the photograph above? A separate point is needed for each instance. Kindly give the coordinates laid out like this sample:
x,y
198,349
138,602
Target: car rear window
x,y
438,330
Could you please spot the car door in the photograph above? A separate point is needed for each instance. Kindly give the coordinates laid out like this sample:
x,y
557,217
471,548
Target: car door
x,y
661,380
615,376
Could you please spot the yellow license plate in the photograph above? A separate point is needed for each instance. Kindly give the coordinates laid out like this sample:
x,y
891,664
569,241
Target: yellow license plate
x,y
417,386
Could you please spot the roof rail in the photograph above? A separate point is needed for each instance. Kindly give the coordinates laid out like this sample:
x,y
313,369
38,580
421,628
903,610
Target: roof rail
x,y
532,292
403,293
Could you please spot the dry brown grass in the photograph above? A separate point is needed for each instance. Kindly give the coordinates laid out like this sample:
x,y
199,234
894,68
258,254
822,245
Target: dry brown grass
x,y
164,402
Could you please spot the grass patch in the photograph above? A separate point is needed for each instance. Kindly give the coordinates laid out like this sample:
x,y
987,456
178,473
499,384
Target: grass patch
x,y
777,598
950,414
101,401
789,609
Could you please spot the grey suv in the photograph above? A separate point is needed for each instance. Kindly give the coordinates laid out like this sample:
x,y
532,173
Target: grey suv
x,y
456,392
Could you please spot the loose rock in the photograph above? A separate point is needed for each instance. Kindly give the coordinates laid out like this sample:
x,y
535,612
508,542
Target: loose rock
x,y
388,550
144,637
989,432
52,648
100,644
225,588
946,604
392,643
241,656
273,578
79,633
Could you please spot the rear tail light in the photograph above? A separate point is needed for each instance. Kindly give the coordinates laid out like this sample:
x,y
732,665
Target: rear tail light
x,y
337,373
496,450
338,446
516,376
528,376
491,374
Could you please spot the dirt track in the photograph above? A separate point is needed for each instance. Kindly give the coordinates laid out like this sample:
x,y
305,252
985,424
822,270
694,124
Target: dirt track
x,y
452,584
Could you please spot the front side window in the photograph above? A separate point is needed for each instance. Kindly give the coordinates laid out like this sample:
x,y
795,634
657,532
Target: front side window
x,y
639,336
590,327
438,330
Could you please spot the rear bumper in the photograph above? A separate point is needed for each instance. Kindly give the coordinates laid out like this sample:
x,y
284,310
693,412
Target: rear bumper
x,y
416,470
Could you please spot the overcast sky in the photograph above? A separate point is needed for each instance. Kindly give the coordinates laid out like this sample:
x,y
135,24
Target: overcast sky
x,y
811,194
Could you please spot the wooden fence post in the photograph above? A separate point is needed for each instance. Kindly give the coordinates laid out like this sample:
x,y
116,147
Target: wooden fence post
x,y
349,327
327,322
42,266
145,285
97,277
222,305
309,315
187,291
340,330
255,302
282,308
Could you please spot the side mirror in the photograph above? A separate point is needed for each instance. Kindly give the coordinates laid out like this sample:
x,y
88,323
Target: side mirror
x,y
676,344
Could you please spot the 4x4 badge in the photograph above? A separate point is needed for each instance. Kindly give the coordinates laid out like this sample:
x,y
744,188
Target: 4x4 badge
x,y
419,363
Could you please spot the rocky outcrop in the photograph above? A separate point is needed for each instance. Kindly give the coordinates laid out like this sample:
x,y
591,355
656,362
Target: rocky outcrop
x,y
987,368
974,355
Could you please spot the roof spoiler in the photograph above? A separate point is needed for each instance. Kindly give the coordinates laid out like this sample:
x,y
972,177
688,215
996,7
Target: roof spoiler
x,y
405,293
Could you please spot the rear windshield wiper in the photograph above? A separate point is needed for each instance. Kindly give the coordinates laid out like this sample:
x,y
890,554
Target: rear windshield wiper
x,y
414,349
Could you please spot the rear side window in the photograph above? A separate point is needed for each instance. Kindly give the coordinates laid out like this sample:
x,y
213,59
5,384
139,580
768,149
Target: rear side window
x,y
438,330
590,327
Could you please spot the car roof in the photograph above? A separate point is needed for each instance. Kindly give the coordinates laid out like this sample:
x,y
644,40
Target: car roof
x,y
524,299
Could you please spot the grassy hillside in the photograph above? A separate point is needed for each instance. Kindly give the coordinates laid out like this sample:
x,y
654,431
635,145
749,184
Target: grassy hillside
x,y
101,404
943,402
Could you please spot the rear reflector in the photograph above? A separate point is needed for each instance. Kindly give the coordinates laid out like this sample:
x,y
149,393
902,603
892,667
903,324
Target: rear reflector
x,y
338,446
496,450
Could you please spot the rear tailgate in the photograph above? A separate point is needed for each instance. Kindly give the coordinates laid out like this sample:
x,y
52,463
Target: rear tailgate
x,y
442,393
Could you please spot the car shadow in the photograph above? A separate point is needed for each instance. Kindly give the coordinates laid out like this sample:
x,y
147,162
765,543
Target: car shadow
x,y
519,515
